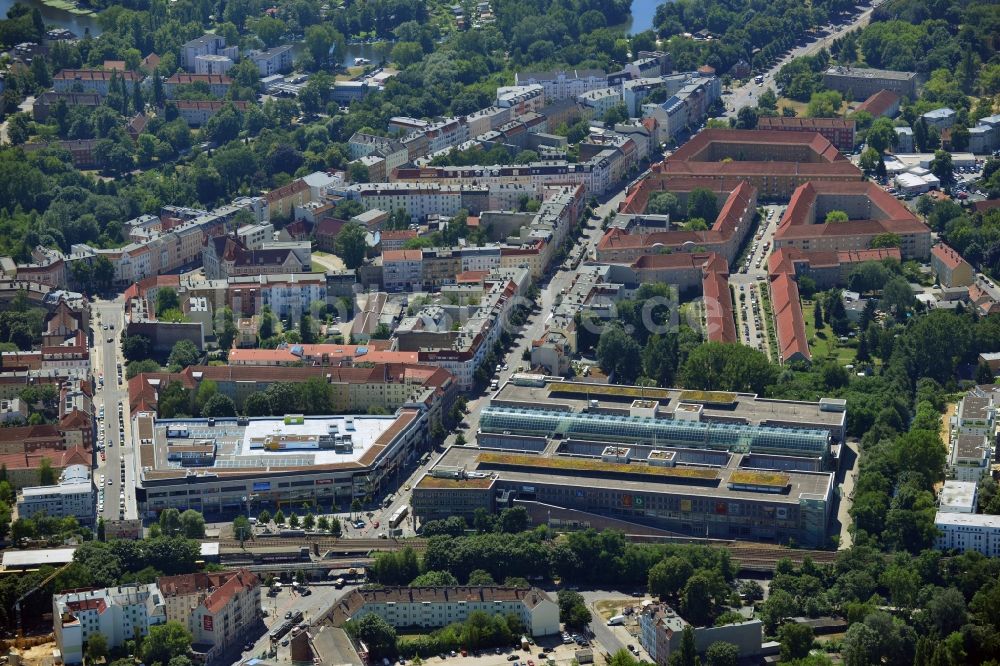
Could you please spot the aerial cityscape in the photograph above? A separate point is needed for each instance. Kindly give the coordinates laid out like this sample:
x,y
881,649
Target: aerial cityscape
x,y
499,332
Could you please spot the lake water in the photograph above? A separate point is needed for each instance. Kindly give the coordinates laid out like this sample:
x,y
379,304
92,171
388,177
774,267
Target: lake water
x,y
642,16
57,18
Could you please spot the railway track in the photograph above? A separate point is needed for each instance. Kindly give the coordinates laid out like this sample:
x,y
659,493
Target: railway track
x,y
327,543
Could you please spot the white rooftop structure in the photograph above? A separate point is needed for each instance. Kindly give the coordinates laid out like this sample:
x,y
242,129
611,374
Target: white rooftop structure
x,y
958,497
32,559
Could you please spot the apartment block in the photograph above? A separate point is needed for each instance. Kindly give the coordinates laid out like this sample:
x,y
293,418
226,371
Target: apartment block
x,y
91,80
72,497
206,45
119,613
839,131
561,84
949,266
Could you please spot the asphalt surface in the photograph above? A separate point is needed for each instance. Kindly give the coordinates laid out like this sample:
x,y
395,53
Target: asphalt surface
x,y
748,93
749,278
117,448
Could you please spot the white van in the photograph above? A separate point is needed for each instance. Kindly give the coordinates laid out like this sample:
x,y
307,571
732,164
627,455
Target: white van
x,y
616,621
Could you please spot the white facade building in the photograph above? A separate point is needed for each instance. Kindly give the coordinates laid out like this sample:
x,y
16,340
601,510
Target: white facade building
x,y
73,497
964,532
440,606
117,612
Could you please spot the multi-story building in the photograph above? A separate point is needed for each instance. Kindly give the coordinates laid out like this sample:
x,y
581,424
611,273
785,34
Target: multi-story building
x,y
402,269
273,61
282,201
561,84
218,84
871,212
219,609
47,100
197,112
972,432
206,45
949,266
839,131
966,532
212,64
226,256
661,630
433,607
725,465
521,98
119,613
774,162
942,118
92,80
601,100
861,83
71,497
685,108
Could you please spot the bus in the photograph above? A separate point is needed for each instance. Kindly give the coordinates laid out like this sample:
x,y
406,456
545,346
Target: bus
x,y
398,516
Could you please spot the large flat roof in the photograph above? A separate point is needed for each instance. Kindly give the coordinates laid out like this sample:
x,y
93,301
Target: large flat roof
x,y
550,469
745,408
23,559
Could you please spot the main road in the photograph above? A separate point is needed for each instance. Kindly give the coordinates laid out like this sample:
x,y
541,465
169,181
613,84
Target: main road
x,y
748,93
107,324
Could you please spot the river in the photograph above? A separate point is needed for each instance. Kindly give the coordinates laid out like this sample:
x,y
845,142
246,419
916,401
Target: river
x,y
57,18
642,16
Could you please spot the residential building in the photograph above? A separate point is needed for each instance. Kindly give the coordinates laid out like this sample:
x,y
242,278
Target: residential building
x,y
560,84
942,118
71,497
219,609
839,131
949,266
227,256
685,108
401,269
601,100
119,613
45,102
212,64
218,84
197,112
277,60
964,532
207,44
904,140
958,497
862,83
661,630
281,201
775,163
871,212
434,607
521,98
91,80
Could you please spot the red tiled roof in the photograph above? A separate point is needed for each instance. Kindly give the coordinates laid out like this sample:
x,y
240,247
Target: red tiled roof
x,y
398,235
947,255
790,326
240,581
288,190
983,206
402,255
781,122
799,218
93,75
879,103
182,79
718,300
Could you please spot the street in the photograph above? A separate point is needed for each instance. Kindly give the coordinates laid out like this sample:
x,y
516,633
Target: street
x,y
533,328
750,277
117,448
748,93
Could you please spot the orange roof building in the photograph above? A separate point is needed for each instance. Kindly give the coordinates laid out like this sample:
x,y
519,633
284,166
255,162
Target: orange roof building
x,y
871,212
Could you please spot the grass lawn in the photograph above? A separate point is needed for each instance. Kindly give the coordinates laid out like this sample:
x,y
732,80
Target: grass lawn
x,y
608,608
823,343
800,107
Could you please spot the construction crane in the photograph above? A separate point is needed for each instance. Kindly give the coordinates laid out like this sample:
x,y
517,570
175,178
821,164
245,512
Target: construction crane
x,y
17,604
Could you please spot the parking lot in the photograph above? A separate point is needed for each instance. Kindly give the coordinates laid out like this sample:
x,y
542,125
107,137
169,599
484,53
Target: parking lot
x,y
561,654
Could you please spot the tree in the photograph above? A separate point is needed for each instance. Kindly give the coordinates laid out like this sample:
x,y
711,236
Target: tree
x,y
219,405
703,203
886,240
921,134
860,646
242,529
824,104
405,54
136,347
356,505
166,641
960,137
97,647
183,354
619,355
941,166
668,576
983,374
46,475
279,517
192,524
434,579
698,598
870,160
746,118
293,521
264,517
663,203
481,577
721,653
687,653
377,634
796,640
309,521
257,404
513,520
882,135
836,216
818,315
350,245
726,367
166,299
